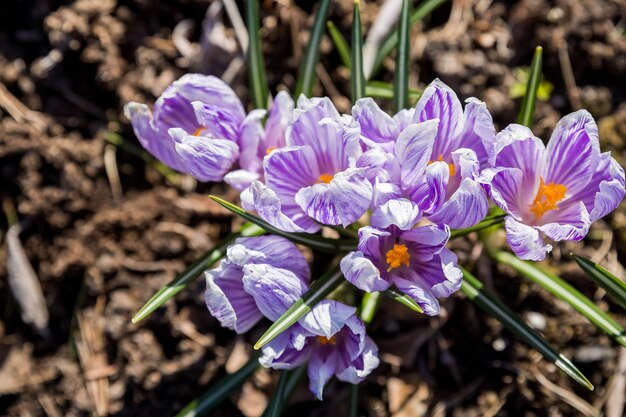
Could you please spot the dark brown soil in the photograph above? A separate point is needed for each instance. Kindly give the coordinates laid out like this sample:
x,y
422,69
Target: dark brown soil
x,y
102,247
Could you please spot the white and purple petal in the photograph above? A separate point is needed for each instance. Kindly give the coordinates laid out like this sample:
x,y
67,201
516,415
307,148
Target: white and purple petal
x,y
525,241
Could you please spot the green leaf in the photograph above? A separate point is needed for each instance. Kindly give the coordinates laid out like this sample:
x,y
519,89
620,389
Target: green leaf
x,y
354,401
256,67
193,272
401,80
357,77
306,76
220,390
615,287
369,304
423,10
316,242
561,289
340,43
528,103
318,291
485,224
403,299
381,89
477,293
286,385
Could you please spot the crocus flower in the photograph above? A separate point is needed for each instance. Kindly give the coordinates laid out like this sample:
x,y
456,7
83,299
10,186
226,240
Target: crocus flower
x,y
555,191
314,179
395,252
198,126
438,155
330,337
226,297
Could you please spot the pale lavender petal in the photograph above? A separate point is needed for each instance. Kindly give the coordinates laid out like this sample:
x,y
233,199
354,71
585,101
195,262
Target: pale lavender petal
x,y
466,207
273,250
439,102
274,289
249,140
173,108
611,192
401,213
572,223
240,179
327,318
215,122
525,241
517,147
280,115
479,133
404,118
426,241
413,150
383,192
287,170
159,143
366,364
371,240
376,125
227,301
362,273
282,353
270,209
204,158
572,151
418,291
505,188
346,198
466,163
320,369
431,193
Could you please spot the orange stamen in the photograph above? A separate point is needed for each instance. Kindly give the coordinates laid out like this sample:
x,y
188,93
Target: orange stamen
x,y
397,256
323,340
199,130
547,197
269,150
325,178
451,166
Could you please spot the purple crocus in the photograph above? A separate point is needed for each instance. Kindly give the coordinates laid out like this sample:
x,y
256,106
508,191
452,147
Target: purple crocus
x,y
555,191
226,297
330,337
395,252
438,154
199,126
314,179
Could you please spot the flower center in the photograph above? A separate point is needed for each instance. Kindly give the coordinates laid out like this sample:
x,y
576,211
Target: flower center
x,y
397,256
199,130
451,167
547,196
325,178
269,150
323,340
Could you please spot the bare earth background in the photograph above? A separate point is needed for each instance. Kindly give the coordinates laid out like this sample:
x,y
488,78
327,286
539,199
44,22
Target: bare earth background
x,y
102,245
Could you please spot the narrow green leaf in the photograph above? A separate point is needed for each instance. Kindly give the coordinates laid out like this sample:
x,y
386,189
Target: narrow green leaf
x,y
291,380
486,223
341,44
530,98
401,80
357,77
318,291
423,10
220,390
193,272
316,242
369,304
477,293
275,406
306,76
256,67
561,289
403,299
381,89
354,401
615,287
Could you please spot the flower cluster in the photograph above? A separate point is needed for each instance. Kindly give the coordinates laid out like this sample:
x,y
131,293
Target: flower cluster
x,y
404,180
